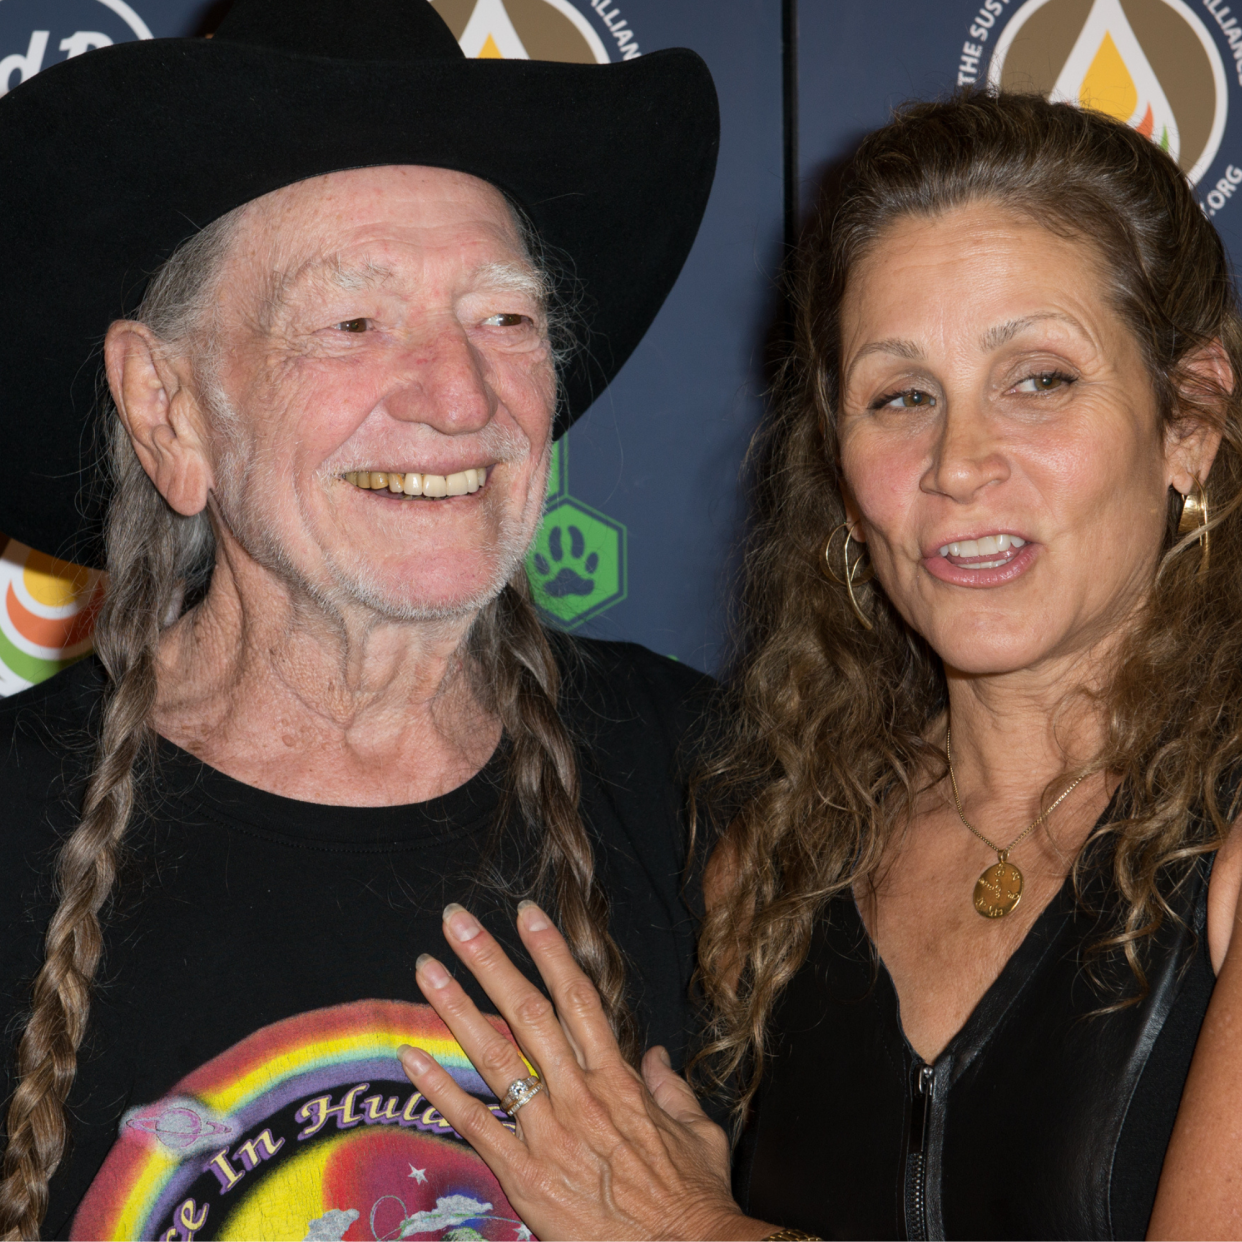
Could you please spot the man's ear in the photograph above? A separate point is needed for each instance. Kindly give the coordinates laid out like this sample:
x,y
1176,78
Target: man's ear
x,y
1190,443
161,414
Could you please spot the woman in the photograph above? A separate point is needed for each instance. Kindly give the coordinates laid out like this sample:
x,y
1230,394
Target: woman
x,y
969,929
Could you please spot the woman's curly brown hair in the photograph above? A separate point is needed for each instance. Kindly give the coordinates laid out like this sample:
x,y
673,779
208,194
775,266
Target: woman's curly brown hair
x,y
826,741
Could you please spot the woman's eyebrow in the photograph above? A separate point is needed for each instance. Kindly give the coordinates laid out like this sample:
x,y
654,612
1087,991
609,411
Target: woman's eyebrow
x,y
894,346
891,345
1003,333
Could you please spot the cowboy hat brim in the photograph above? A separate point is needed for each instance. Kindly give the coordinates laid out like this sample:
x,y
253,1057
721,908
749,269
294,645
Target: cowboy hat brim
x,y
114,158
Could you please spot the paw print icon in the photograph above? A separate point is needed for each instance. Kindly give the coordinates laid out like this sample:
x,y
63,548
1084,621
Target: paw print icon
x,y
577,563
567,581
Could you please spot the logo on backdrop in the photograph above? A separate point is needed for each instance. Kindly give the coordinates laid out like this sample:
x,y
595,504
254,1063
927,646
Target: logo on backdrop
x,y
1160,65
577,564
46,615
37,33
541,29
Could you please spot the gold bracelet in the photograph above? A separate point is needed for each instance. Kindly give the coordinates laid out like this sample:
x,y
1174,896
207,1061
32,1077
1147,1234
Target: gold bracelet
x,y
791,1235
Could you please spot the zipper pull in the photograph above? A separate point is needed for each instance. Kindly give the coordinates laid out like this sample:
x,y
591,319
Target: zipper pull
x,y
916,1155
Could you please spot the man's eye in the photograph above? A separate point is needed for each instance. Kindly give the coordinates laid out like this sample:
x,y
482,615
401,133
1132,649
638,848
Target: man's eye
x,y
910,399
353,325
506,320
1044,381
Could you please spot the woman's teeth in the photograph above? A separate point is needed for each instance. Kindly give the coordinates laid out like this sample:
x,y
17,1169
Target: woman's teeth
x,y
989,545
435,486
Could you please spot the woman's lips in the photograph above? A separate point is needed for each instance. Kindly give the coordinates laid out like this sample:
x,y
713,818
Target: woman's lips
x,y
989,567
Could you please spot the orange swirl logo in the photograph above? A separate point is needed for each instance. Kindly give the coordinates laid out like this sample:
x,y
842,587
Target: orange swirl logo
x,y
48,615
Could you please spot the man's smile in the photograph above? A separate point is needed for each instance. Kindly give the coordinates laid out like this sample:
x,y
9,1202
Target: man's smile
x,y
412,483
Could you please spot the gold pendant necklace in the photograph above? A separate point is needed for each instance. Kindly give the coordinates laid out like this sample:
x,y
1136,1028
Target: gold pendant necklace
x,y
999,889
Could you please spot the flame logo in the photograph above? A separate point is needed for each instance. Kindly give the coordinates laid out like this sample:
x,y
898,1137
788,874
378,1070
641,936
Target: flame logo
x,y
486,30
489,34
1151,64
1108,71
47,616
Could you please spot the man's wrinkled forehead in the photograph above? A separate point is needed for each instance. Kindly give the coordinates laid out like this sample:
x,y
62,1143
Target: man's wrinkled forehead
x,y
356,273
305,240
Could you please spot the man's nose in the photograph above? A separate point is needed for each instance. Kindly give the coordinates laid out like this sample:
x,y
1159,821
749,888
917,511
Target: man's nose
x,y
443,381
968,454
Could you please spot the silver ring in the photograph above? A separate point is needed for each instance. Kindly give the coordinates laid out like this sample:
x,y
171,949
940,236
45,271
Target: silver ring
x,y
520,1093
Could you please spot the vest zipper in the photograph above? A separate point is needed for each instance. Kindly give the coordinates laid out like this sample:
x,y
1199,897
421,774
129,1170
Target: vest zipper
x,y
916,1153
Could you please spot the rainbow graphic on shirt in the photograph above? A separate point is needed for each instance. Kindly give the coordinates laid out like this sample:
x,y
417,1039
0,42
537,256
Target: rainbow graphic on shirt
x,y
308,1128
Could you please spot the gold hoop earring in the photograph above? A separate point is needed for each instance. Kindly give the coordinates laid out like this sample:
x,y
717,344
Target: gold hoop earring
x,y
1195,518
851,571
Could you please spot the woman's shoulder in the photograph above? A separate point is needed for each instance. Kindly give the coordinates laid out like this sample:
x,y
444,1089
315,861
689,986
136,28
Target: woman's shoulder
x,y
1224,890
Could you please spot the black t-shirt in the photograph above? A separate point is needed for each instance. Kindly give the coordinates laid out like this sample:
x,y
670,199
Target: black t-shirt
x,y
239,1076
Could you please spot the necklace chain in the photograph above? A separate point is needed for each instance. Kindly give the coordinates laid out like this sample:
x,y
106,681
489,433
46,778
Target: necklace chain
x,y
1001,852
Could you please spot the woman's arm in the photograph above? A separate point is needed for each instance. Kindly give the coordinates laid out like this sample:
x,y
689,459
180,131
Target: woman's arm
x,y
1200,1192
601,1151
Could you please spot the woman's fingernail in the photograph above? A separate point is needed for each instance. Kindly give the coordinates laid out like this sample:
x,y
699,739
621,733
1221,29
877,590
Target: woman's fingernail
x,y
662,1053
414,1060
461,922
531,917
432,971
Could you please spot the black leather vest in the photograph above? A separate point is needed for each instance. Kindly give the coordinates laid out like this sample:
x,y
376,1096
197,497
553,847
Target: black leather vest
x,y
1043,1118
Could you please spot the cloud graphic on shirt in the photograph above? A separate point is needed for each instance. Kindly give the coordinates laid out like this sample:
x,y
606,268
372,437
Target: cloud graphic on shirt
x,y
331,1226
449,1211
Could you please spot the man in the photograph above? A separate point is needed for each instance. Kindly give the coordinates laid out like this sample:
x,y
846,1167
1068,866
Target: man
x,y
323,706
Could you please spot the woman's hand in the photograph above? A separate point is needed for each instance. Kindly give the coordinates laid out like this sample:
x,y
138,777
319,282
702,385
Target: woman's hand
x,y
600,1152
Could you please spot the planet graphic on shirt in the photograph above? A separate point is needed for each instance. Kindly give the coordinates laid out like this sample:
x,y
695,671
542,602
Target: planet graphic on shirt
x,y
182,1124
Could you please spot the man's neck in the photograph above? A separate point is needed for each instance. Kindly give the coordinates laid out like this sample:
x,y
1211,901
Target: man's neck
x,y
335,706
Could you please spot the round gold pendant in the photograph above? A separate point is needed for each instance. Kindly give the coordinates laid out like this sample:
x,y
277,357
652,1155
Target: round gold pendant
x,y
998,890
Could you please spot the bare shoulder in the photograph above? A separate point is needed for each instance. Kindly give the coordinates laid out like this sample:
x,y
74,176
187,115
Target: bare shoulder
x,y
1223,893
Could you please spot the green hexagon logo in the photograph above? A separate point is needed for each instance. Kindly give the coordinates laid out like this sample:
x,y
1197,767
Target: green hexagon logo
x,y
577,563
558,471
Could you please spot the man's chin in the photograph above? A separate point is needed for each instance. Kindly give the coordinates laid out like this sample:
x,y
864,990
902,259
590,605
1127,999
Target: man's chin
x,y
431,610
443,583
397,600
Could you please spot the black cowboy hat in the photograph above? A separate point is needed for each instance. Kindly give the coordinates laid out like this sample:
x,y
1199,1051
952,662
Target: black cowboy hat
x,y
112,159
